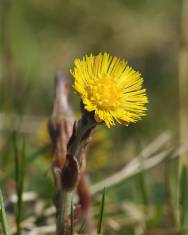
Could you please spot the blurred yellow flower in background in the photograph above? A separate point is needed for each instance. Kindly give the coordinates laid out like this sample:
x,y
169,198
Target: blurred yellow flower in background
x,y
43,134
110,88
43,139
99,150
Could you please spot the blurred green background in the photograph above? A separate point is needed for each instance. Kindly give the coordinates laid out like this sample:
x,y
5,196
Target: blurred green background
x,y
39,38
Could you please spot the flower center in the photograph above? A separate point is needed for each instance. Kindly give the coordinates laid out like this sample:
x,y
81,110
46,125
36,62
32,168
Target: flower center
x,y
104,92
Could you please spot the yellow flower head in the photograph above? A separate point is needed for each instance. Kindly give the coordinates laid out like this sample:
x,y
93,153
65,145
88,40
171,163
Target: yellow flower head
x,y
110,88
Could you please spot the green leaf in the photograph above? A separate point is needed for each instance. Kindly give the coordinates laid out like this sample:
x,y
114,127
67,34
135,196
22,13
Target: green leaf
x,y
19,157
72,218
99,226
3,218
183,193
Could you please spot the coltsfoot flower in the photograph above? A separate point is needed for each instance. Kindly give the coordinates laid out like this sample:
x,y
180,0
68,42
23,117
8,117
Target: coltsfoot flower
x,y
110,88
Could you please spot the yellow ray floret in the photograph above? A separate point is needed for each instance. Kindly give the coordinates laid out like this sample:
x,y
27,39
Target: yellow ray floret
x,y
110,88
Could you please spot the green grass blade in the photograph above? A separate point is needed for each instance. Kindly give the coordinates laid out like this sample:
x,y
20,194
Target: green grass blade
x,y
19,157
183,193
143,188
16,158
72,218
99,226
81,229
21,186
3,218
